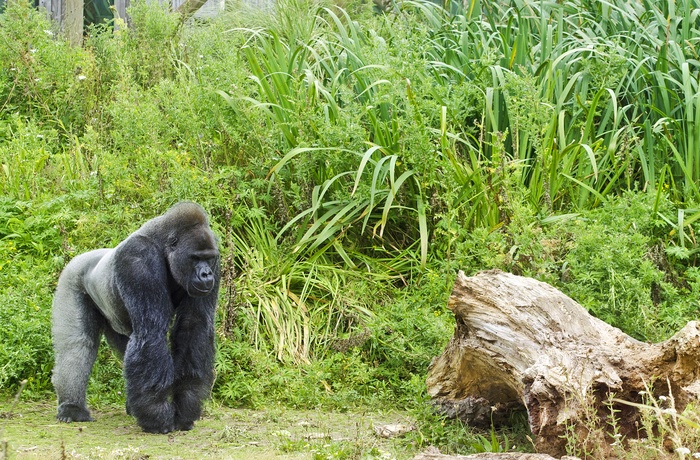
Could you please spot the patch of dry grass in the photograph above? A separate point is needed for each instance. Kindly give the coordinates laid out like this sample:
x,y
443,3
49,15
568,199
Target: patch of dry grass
x,y
30,431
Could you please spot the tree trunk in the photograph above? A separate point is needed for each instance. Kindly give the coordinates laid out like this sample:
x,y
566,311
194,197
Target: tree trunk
x,y
521,343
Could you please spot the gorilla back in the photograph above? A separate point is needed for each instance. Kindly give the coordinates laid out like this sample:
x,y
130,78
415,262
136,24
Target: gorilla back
x,y
154,298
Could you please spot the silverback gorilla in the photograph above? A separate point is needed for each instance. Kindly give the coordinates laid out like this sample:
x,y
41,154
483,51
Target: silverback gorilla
x,y
153,297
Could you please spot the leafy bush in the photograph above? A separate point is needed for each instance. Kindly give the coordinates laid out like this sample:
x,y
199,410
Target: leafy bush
x,y
42,76
616,266
30,246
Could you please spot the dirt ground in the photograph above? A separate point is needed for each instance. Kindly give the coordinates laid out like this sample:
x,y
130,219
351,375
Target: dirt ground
x,y
30,431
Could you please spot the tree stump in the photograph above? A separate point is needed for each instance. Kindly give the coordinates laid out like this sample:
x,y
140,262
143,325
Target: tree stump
x,y
488,456
521,343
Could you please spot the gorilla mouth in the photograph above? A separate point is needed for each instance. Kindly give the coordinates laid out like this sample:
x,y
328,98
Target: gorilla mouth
x,y
199,290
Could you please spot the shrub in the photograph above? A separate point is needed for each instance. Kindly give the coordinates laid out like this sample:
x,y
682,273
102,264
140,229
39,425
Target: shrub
x,y
42,76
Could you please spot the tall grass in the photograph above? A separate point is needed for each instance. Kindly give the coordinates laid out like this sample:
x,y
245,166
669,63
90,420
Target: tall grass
x,y
578,100
408,129
295,307
595,97
298,74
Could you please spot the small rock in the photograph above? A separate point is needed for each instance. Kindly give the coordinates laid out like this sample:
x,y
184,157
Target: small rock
x,y
393,430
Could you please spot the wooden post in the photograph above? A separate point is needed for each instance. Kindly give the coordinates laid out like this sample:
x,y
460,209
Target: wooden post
x,y
73,21
120,18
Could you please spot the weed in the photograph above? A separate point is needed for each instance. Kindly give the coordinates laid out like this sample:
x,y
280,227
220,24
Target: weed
x,y
662,431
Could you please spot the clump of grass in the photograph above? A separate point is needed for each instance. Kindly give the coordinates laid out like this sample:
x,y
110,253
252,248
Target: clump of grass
x,y
662,432
666,430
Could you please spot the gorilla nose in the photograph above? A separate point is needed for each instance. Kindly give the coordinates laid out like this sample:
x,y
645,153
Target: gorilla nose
x,y
206,276
207,281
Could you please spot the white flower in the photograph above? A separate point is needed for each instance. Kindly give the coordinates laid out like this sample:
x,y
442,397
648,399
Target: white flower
x,y
49,33
682,450
696,455
81,77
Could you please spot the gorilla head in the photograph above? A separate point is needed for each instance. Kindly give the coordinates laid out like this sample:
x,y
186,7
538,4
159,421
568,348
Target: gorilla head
x,y
191,253
154,298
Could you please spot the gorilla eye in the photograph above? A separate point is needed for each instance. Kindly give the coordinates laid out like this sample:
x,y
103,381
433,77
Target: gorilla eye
x,y
206,260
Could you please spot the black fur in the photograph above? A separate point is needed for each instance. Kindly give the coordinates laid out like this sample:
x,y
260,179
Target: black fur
x,y
154,298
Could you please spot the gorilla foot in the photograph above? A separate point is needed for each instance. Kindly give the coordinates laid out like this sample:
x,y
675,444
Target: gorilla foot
x,y
158,429
68,412
184,426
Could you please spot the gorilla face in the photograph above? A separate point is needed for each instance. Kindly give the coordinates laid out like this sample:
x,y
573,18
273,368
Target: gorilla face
x,y
192,259
202,280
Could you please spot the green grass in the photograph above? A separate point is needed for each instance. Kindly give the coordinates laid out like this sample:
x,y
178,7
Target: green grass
x,y
31,432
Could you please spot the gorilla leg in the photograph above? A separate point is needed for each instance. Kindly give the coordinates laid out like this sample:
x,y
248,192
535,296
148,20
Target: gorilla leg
x,y
192,339
76,328
116,341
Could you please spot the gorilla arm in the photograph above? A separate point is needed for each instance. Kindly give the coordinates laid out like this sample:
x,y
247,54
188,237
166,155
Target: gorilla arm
x,y
148,365
192,339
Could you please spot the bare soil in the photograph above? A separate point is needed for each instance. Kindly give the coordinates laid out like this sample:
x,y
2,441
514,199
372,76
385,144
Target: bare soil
x,y
30,431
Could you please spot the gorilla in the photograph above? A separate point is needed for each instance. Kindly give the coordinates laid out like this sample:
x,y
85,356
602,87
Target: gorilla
x,y
153,297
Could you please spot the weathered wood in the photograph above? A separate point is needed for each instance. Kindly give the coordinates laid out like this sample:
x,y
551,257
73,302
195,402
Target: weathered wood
x,y
120,16
73,21
188,7
488,456
198,8
519,342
